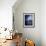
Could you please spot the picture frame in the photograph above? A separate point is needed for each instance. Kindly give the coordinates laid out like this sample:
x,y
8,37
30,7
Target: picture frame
x,y
29,20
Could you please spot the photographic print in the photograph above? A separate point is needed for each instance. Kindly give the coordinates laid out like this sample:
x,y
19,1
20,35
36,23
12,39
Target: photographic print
x,y
29,19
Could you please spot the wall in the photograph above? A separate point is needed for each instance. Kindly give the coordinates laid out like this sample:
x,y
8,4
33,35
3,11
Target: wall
x,y
6,16
43,22
6,13
31,6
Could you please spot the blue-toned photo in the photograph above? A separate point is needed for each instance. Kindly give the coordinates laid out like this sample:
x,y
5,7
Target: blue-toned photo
x,y
28,20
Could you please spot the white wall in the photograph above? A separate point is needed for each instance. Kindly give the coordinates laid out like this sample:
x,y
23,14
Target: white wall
x,y
43,22
6,13
31,6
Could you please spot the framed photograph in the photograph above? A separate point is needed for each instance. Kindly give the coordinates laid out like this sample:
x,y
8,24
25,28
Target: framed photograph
x,y
29,20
